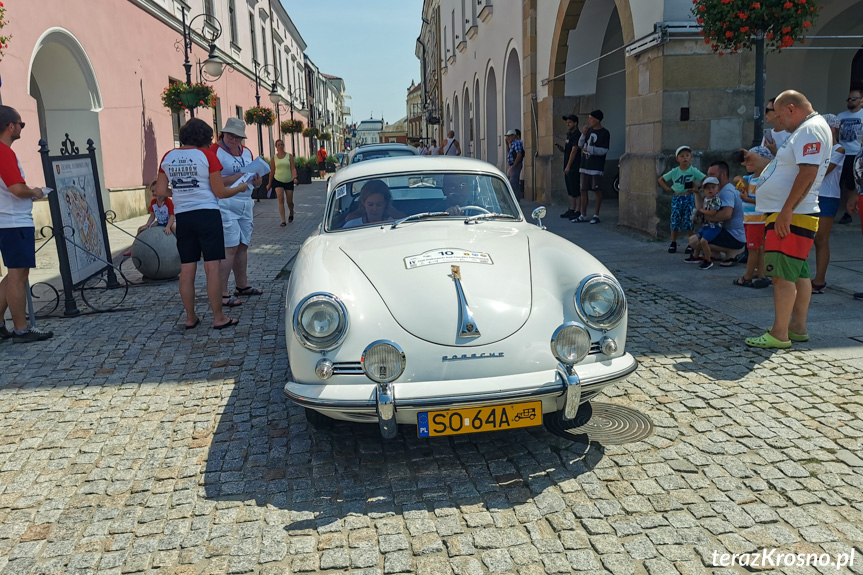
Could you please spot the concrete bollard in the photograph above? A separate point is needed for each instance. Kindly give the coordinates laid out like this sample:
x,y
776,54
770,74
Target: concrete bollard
x,y
166,265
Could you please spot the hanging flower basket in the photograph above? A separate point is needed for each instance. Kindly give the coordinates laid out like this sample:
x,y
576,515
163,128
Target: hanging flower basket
x,y
292,127
179,96
732,25
260,115
311,132
4,40
325,136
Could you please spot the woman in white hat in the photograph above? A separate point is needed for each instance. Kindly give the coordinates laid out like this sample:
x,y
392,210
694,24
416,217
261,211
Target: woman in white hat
x,y
237,211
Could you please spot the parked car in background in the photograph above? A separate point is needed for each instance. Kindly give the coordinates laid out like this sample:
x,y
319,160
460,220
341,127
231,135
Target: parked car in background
x,y
376,151
426,299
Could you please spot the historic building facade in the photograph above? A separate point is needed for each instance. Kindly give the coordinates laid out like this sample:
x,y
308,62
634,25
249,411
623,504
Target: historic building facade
x,y
489,66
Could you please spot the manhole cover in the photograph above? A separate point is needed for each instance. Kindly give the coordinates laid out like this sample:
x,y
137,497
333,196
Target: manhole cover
x,y
604,423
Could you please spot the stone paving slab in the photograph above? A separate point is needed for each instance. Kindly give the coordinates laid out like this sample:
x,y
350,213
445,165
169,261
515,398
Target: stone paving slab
x,y
129,445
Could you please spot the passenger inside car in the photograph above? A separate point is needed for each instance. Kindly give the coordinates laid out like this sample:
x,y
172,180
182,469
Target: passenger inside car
x,y
375,205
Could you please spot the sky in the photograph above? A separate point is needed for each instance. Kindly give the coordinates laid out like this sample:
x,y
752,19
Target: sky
x,y
368,43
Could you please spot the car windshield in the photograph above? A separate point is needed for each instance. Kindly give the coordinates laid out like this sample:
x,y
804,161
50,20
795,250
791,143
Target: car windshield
x,y
385,199
374,154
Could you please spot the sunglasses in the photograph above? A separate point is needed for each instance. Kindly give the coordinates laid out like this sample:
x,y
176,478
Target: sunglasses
x,y
22,124
769,110
849,99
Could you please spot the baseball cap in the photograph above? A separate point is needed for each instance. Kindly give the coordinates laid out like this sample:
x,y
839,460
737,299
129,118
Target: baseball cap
x,y
680,149
597,114
235,126
710,180
831,119
764,152
510,133
572,117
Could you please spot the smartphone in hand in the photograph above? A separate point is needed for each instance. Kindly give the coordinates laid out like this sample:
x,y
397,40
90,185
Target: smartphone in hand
x,y
768,136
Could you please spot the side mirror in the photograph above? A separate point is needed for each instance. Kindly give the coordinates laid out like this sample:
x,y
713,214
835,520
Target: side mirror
x,y
538,214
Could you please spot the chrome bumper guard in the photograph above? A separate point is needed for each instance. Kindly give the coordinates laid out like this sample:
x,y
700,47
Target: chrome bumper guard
x,y
385,405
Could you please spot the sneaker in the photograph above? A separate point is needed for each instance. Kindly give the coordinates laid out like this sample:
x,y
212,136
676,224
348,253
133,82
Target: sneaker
x,y
579,219
705,265
846,219
569,214
688,250
594,220
32,334
5,333
672,248
693,260
818,288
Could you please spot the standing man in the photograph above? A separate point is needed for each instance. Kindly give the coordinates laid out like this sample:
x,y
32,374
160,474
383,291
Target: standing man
x,y
450,146
775,137
594,143
432,149
850,131
787,196
570,167
421,148
322,162
515,161
17,233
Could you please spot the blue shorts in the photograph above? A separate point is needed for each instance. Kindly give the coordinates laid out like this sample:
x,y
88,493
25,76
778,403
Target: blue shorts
x,y
18,247
681,211
828,207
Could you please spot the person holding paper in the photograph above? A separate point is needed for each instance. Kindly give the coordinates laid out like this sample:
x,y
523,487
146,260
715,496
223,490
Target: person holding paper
x,y
283,176
237,211
17,233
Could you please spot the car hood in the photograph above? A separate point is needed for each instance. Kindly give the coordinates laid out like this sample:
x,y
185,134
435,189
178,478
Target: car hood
x,y
411,268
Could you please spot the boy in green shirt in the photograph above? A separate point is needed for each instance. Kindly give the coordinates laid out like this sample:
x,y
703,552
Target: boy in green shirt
x,y
682,181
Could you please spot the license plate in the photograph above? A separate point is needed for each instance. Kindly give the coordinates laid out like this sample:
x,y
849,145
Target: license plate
x,y
478,419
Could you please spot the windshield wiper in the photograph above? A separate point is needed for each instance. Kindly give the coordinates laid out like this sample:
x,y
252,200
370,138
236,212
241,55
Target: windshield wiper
x,y
476,218
415,217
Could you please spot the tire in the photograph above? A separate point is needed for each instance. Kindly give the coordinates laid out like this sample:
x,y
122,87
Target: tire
x,y
319,420
616,183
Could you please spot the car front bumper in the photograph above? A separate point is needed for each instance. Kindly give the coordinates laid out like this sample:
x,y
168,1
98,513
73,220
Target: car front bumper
x,y
561,389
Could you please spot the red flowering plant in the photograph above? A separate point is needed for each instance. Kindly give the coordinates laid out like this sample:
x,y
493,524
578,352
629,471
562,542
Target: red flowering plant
x,y
292,126
732,25
4,40
260,115
325,136
311,132
179,96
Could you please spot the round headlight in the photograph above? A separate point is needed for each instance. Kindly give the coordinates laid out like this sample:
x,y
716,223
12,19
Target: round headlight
x,y
570,343
320,322
600,302
383,361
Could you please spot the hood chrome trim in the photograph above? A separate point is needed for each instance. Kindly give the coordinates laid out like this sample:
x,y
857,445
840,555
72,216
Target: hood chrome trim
x,y
467,327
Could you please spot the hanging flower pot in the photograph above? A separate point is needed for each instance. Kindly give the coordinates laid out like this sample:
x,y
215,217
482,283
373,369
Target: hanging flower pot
x,y
179,96
311,132
325,136
292,126
260,115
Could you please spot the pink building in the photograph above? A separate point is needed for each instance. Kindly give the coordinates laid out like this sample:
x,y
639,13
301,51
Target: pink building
x,y
96,70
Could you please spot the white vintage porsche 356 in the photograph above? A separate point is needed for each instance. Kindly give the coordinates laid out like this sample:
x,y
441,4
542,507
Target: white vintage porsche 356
x,y
426,299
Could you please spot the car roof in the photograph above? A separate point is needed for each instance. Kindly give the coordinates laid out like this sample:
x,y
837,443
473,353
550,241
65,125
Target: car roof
x,y
407,164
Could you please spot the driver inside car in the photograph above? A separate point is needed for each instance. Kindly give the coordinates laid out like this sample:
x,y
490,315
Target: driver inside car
x,y
375,205
457,189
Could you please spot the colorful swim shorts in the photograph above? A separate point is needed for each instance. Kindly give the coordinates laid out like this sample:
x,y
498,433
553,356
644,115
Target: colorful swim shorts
x,y
786,257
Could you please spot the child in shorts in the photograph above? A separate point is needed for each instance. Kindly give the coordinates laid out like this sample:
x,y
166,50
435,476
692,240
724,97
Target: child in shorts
x,y
683,182
753,222
709,230
161,213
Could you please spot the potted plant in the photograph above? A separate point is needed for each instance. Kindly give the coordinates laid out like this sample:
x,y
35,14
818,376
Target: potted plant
x,y
292,127
331,163
4,40
179,96
311,132
325,136
304,170
260,115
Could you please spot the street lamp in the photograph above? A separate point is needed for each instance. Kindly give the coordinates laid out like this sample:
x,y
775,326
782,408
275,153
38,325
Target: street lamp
x,y
210,31
277,100
275,74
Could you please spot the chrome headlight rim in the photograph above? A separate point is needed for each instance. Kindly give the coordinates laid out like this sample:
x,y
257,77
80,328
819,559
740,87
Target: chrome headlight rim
x,y
556,334
316,344
397,347
614,319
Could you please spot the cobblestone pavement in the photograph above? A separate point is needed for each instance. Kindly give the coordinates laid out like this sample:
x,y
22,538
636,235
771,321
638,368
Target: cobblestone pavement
x,y
128,445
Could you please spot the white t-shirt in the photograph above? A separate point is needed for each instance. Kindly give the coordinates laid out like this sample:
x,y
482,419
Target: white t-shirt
x,y
779,137
231,165
850,131
449,148
830,184
15,212
188,171
808,144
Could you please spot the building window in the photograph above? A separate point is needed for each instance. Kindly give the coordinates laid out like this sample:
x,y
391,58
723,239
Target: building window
x,y
254,39
239,111
217,116
208,10
232,20
177,119
264,44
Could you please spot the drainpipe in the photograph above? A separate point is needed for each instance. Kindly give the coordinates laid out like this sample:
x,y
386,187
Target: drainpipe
x,y
535,141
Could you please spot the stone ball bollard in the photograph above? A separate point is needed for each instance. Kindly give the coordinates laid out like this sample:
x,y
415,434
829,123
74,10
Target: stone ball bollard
x,y
147,245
